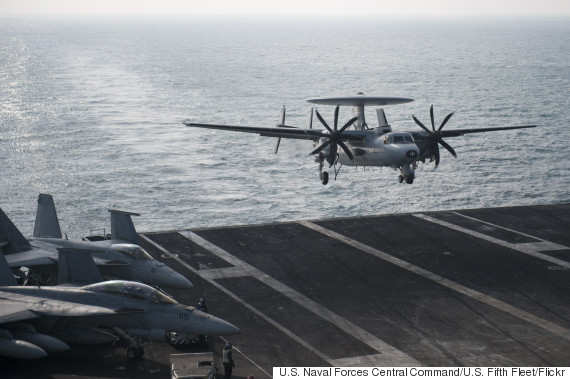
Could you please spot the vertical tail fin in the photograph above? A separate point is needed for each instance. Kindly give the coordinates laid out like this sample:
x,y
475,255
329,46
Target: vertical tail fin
x,y
77,267
281,122
122,227
309,119
6,276
11,240
47,224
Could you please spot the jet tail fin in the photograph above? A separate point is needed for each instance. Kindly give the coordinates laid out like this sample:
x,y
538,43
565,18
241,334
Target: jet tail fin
x,y
6,276
47,224
122,227
77,267
11,240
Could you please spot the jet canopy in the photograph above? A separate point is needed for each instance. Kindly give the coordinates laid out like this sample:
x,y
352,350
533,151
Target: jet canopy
x,y
133,290
134,251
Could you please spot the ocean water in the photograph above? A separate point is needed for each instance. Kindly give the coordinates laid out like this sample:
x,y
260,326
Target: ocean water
x,y
91,111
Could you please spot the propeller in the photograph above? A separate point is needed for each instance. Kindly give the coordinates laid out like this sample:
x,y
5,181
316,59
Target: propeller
x,y
335,137
435,138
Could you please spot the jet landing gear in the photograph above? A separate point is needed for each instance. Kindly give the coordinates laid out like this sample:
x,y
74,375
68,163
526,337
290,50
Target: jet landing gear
x,y
408,178
136,348
135,352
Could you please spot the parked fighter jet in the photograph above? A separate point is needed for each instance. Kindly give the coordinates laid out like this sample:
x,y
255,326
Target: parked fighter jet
x,y
117,258
37,320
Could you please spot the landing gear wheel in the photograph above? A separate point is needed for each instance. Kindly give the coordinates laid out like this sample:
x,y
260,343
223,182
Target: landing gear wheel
x,y
325,178
409,180
134,352
401,179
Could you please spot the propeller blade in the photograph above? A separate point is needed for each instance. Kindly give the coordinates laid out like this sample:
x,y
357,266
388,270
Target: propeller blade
x,y
321,148
436,156
420,124
348,124
346,150
323,121
449,148
336,117
445,121
431,117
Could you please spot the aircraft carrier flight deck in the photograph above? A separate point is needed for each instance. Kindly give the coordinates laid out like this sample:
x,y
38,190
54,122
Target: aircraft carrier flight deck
x,y
478,287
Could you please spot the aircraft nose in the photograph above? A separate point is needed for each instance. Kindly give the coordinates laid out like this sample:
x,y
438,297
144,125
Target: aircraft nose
x,y
176,280
409,153
164,276
213,326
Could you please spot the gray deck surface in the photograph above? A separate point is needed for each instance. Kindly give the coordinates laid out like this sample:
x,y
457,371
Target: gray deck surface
x,y
481,287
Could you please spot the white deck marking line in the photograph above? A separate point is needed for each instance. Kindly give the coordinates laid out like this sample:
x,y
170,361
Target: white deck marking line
x,y
519,313
221,273
390,355
243,303
543,245
520,247
362,361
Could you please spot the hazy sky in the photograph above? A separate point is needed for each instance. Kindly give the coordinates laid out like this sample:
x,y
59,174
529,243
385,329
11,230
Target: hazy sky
x,y
298,7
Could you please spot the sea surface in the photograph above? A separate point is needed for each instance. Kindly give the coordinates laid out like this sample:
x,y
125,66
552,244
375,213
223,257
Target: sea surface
x,y
91,111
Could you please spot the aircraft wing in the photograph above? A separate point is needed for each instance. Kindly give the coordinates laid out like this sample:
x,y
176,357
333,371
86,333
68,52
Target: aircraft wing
x,y
29,258
17,307
283,131
460,132
14,312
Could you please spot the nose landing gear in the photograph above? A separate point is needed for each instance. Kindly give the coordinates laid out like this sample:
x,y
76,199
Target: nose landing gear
x,y
323,175
407,174
408,178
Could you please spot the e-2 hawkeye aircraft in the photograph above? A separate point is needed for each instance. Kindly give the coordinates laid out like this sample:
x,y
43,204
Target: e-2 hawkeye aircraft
x,y
365,146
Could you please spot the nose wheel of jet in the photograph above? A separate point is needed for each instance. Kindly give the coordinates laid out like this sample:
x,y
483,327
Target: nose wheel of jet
x,y
135,352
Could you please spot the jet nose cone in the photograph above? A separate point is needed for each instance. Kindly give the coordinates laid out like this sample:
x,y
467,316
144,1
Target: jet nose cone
x,y
167,277
177,280
214,326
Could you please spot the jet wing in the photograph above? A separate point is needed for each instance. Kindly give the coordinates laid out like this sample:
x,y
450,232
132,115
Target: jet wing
x,y
17,307
460,132
14,312
283,131
29,258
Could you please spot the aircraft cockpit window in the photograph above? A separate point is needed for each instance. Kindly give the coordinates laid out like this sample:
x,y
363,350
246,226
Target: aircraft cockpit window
x,y
143,292
402,138
133,290
133,251
114,287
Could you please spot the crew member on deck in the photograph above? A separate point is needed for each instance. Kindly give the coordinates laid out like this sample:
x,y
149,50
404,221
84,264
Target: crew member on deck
x,y
228,360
